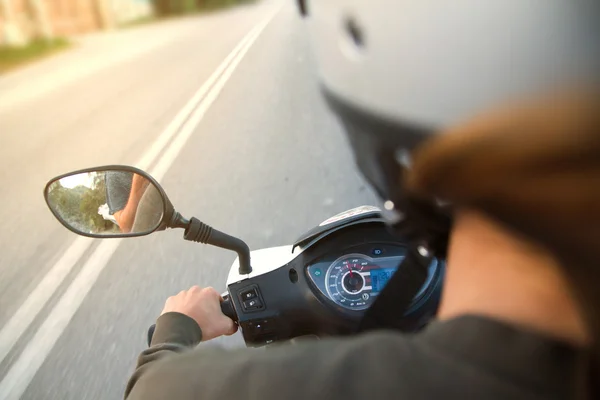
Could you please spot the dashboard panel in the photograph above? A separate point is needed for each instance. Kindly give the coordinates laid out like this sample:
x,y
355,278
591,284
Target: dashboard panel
x,y
319,290
353,280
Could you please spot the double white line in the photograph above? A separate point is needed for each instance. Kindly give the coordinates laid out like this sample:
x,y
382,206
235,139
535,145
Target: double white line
x,y
173,138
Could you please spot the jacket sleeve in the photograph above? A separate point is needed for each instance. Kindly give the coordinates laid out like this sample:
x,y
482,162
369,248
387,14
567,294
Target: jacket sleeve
x,y
470,360
174,333
327,369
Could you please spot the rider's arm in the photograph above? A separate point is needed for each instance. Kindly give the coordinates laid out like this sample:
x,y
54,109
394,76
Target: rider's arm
x,y
174,332
469,357
178,327
129,212
171,369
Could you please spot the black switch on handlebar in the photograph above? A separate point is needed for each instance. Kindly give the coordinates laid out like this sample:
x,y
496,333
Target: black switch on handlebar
x,y
252,304
251,299
249,295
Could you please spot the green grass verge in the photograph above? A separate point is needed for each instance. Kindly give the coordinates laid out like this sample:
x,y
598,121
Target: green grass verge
x,y
173,8
181,8
12,57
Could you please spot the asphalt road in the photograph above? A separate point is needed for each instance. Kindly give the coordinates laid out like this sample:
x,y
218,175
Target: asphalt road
x,y
265,163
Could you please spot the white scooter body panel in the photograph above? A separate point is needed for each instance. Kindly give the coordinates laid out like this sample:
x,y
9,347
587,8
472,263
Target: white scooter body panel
x,y
263,261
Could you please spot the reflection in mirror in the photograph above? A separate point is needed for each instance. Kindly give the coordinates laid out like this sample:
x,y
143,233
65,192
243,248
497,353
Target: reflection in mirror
x,y
103,203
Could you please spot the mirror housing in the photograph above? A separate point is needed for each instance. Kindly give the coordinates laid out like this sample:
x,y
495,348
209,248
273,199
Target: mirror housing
x,y
121,201
109,201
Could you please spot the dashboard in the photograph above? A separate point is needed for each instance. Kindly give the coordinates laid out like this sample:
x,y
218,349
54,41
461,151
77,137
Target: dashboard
x,y
354,280
325,288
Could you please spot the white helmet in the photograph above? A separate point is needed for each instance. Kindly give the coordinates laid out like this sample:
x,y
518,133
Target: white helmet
x,y
397,71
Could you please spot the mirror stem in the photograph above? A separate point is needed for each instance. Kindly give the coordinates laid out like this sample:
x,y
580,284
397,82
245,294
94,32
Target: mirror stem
x,y
178,221
197,231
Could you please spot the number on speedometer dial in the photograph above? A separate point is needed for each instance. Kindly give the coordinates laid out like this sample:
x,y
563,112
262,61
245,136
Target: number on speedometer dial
x,y
349,283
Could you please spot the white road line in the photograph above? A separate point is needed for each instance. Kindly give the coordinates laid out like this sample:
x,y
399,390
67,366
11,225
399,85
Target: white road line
x,y
173,151
185,112
30,308
21,373
24,316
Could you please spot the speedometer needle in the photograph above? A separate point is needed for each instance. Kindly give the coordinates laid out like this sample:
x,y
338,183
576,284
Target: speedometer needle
x,y
350,269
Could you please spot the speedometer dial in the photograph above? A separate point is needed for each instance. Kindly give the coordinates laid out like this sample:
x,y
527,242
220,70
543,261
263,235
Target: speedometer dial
x,y
348,281
353,281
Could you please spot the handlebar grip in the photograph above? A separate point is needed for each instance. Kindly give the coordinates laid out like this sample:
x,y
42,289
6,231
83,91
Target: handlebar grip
x,y
227,307
151,333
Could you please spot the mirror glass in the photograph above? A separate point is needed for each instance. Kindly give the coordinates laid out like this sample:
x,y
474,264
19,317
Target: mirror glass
x,y
106,203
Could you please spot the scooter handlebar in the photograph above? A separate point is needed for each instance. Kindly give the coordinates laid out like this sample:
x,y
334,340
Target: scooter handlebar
x,y
227,307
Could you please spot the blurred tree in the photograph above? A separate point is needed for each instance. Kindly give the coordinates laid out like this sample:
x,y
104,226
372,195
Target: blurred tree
x,y
79,206
105,14
65,201
39,18
91,201
164,8
10,32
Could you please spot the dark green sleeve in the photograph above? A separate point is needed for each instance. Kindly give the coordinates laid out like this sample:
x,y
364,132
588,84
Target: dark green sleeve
x,y
328,369
470,358
174,333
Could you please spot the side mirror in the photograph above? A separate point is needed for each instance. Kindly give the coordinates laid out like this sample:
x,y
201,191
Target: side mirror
x,y
122,201
112,201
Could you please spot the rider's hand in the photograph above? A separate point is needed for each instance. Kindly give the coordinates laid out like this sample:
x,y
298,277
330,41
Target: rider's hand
x,y
204,307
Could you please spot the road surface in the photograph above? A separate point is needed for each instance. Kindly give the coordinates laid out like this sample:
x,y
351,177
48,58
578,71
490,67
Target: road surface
x,y
260,158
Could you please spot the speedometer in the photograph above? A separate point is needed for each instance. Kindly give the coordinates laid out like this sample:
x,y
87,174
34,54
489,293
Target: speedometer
x,y
354,280
348,281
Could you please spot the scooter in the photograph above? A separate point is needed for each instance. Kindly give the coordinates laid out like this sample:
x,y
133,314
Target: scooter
x,y
321,285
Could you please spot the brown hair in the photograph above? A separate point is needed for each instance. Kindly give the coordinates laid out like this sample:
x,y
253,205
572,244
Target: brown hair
x,y
535,167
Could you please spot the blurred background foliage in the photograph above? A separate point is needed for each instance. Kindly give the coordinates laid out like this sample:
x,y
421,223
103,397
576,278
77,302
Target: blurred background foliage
x,y
79,206
163,8
12,56
33,29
